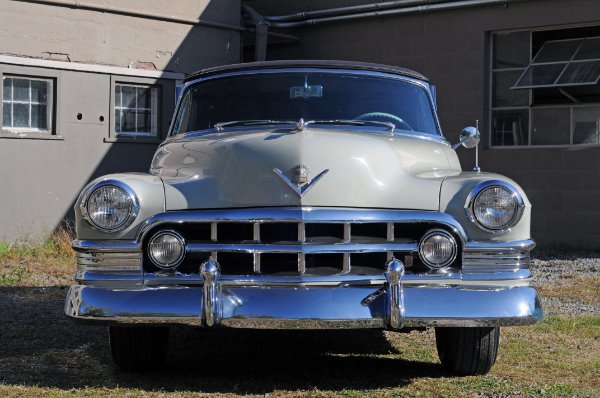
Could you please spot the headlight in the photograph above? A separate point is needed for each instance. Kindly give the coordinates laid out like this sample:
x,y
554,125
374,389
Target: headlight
x,y
166,249
495,206
109,206
437,249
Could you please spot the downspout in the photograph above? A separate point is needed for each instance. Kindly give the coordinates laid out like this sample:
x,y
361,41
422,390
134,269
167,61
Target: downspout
x,y
347,10
261,27
422,7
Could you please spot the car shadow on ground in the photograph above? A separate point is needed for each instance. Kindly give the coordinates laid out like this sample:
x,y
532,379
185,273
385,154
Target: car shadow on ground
x,y
40,346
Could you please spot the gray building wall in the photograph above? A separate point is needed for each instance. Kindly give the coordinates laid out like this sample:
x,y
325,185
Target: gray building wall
x,y
41,173
452,49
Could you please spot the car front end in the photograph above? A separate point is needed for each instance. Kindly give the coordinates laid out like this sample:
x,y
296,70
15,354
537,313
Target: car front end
x,y
353,218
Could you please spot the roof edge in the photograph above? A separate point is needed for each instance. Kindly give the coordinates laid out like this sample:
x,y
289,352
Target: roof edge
x,y
351,65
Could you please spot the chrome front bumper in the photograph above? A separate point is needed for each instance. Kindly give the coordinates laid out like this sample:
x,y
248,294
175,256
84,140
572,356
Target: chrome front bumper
x,y
491,287
392,305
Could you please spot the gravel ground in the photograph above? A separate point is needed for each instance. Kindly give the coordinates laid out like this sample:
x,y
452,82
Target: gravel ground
x,y
559,272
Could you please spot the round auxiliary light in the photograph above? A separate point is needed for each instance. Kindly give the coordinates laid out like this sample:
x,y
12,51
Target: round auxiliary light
x,y
110,208
437,249
166,249
496,207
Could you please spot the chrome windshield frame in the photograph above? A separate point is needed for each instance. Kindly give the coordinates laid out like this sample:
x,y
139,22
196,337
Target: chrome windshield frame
x,y
423,84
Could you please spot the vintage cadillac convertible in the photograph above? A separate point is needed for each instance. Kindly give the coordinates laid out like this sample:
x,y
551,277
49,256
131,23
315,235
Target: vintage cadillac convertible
x,y
305,195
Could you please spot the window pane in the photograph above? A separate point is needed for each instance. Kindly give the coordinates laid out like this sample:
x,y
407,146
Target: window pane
x,y
586,125
6,115
118,120
503,95
589,50
38,117
144,97
128,122
118,95
128,97
20,90
581,72
557,51
510,127
39,91
143,122
551,126
511,50
7,89
541,75
20,115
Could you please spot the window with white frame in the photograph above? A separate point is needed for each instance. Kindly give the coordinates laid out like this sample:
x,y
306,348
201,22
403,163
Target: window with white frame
x,y
27,104
136,110
545,87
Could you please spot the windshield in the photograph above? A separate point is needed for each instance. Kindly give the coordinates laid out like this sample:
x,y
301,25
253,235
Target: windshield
x,y
308,95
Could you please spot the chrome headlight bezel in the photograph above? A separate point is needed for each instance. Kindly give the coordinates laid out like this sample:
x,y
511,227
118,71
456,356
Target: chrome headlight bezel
x,y
482,187
135,204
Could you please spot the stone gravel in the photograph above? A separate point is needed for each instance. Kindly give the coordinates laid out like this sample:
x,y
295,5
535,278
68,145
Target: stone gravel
x,y
560,271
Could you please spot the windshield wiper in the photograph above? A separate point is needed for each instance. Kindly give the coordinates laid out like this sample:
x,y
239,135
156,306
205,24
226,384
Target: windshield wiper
x,y
220,126
301,124
349,122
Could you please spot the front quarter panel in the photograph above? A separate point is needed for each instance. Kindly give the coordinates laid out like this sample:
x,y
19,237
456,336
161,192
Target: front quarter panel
x,y
453,196
150,193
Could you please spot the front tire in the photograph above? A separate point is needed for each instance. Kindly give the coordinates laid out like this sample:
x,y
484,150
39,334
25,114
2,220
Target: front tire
x,y
136,348
467,351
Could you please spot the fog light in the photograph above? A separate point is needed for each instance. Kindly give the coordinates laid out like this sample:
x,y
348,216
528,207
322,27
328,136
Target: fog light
x,y
166,249
437,249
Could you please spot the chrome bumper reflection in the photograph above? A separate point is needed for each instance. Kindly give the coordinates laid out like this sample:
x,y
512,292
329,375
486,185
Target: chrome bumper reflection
x,y
307,307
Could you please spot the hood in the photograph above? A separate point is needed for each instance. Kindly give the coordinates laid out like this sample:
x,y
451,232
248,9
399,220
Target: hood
x,y
357,169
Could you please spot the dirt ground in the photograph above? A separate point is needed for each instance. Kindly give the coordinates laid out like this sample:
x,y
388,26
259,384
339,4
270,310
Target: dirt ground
x,y
39,346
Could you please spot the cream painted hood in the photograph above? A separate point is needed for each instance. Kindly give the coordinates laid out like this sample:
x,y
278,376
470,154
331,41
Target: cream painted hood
x,y
368,170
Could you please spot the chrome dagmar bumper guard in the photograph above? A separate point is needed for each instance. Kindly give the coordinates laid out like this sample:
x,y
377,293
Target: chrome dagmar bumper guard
x,y
390,305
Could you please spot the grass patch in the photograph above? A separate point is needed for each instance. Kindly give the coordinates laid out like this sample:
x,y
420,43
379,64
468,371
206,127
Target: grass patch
x,y
38,264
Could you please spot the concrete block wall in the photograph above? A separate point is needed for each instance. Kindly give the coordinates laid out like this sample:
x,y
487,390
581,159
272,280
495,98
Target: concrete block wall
x,y
451,48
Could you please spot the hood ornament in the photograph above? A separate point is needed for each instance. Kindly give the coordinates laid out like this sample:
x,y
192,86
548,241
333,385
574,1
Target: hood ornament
x,y
301,183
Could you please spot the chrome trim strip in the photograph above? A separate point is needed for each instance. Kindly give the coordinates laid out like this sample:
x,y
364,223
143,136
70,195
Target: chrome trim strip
x,y
120,246
504,246
302,214
307,248
508,278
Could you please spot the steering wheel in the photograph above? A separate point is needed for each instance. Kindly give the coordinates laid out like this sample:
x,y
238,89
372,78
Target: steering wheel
x,y
398,121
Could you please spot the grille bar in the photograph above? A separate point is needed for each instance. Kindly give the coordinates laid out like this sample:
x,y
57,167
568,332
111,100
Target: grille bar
x,y
302,249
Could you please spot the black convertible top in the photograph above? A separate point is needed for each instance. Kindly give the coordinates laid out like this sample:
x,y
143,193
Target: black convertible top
x,y
353,65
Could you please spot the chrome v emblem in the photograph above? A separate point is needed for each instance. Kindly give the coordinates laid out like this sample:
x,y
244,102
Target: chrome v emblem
x,y
301,184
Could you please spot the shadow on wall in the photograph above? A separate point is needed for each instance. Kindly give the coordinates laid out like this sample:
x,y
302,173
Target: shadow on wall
x,y
202,47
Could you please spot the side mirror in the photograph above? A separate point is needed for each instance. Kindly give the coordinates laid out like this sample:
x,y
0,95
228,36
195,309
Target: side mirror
x,y
469,138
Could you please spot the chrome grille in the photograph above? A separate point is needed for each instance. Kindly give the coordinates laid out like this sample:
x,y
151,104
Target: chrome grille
x,y
300,241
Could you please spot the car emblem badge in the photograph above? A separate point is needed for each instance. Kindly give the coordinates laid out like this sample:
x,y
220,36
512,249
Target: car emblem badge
x,y
301,183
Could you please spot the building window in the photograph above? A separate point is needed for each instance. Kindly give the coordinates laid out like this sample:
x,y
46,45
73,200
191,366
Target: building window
x,y
545,87
27,104
136,110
